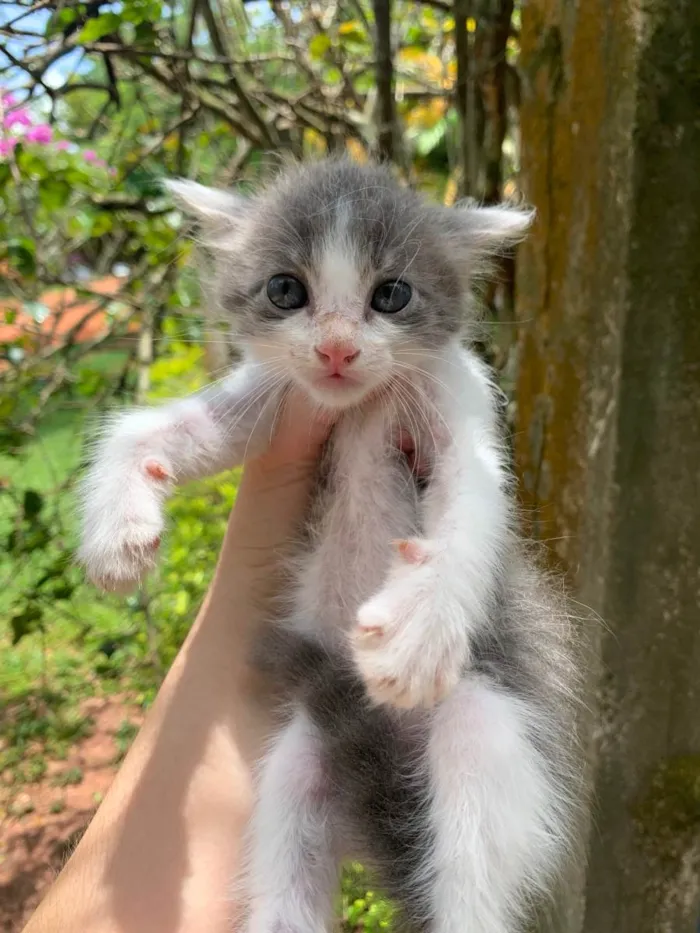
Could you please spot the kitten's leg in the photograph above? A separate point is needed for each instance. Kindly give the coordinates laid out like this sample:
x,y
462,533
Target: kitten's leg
x,y
413,637
293,869
499,818
145,453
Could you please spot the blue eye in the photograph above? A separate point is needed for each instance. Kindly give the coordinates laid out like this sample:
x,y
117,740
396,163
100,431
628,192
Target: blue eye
x,y
287,292
391,297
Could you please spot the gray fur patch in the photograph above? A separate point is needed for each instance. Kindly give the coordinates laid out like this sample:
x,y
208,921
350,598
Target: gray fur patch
x,y
392,231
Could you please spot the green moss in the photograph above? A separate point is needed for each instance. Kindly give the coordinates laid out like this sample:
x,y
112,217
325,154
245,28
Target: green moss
x,y
670,807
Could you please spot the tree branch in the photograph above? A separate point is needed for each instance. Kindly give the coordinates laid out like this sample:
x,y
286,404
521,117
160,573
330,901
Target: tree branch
x,y
386,110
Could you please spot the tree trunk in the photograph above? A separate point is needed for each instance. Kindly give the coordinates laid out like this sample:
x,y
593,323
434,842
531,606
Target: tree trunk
x,y
386,107
494,95
464,94
608,441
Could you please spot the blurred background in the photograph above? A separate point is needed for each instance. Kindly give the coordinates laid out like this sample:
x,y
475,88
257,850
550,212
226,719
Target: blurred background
x,y
590,112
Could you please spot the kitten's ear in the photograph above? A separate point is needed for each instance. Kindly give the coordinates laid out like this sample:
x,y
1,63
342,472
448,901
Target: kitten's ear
x,y
219,214
485,232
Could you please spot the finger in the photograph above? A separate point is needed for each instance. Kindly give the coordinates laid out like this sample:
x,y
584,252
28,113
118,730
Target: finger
x,y
303,428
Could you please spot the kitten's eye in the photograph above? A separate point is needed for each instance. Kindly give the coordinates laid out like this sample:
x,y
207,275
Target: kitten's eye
x,y
391,297
287,293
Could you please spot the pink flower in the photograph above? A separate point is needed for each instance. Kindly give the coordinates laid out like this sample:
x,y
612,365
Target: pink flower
x,y
91,156
8,100
39,134
7,145
19,117
62,145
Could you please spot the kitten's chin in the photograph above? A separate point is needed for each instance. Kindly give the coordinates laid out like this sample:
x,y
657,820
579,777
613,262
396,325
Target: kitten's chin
x,y
339,393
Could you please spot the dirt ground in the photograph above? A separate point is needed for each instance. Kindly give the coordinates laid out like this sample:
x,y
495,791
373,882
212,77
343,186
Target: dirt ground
x,y
40,823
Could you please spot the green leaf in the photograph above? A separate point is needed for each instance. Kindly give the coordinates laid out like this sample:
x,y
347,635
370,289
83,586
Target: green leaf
x,y
139,11
89,383
59,21
352,33
35,539
32,165
145,34
62,590
144,183
54,193
11,442
26,621
101,26
33,503
80,224
430,139
319,45
8,404
101,224
21,252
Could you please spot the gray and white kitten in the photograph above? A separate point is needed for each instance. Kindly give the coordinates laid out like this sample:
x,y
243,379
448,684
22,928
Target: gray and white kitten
x,y
430,729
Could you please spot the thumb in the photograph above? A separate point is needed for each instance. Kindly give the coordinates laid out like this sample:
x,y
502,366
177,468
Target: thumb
x,y
302,429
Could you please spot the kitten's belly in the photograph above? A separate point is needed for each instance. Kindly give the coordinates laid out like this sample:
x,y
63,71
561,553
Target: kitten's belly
x,y
371,500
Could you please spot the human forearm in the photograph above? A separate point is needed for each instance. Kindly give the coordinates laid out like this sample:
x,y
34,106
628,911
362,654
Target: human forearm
x,y
164,847
161,850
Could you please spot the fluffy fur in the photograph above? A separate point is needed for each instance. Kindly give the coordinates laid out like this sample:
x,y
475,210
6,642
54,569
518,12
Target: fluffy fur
x,y
428,667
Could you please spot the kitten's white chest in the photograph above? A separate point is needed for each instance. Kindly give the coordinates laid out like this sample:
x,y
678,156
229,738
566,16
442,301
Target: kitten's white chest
x,y
371,500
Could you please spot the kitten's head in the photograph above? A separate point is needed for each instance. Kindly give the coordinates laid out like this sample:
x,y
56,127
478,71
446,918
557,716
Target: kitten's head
x,y
338,277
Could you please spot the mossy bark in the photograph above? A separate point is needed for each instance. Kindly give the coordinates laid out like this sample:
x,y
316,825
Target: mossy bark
x,y
608,440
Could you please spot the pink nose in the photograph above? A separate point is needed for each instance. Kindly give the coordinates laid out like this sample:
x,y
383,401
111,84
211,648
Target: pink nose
x,y
336,356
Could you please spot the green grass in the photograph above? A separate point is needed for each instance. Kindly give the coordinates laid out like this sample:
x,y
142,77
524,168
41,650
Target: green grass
x,y
123,737
67,778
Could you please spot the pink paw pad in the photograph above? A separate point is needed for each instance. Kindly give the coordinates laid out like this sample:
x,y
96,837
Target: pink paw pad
x,y
135,550
156,470
369,632
411,551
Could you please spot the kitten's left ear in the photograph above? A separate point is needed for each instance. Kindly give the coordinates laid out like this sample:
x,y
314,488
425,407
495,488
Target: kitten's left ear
x,y
219,214
488,231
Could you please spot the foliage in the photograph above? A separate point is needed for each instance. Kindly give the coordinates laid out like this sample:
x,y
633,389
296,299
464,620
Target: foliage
x,y
360,907
99,101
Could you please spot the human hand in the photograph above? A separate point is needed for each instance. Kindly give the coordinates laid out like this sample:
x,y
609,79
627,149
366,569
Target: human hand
x,y
271,502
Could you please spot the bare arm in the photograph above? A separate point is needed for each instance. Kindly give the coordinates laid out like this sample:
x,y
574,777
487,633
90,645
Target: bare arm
x,y
163,847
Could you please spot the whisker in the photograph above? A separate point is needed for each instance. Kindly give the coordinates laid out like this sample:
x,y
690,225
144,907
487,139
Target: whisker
x,y
260,414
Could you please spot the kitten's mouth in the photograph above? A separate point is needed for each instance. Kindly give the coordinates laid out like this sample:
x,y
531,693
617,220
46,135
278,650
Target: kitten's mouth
x,y
337,380
339,389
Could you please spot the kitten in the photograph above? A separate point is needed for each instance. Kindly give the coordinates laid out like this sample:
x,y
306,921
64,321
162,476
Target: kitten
x,y
430,728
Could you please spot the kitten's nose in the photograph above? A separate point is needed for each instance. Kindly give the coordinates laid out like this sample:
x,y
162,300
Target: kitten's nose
x,y
336,356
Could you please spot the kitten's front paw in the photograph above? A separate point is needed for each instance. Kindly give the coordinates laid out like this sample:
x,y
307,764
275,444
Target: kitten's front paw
x,y
122,527
410,643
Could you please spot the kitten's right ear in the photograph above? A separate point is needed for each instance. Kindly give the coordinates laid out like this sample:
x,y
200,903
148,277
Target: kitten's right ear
x,y
219,214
